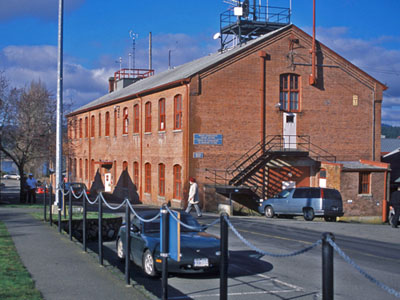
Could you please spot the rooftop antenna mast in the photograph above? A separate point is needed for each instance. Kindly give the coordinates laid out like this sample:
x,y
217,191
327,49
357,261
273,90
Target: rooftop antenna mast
x,y
133,36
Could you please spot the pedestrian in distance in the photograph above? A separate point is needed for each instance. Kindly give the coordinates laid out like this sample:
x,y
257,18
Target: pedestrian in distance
x,y
395,203
193,199
31,184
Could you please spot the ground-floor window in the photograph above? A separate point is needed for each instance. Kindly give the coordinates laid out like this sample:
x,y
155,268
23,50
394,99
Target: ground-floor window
x,y
161,180
147,175
177,182
364,183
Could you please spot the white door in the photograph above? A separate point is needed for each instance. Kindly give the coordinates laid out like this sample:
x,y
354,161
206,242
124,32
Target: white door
x,y
289,130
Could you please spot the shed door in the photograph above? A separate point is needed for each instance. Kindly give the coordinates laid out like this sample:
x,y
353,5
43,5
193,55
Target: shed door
x,y
289,130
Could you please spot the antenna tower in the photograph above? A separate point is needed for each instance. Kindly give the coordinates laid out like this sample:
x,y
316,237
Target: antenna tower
x,y
133,36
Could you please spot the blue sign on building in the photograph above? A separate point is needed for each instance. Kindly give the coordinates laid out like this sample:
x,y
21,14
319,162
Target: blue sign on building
x,y
207,139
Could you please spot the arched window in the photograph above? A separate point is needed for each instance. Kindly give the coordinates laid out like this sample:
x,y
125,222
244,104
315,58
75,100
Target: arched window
x,y
73,168
125,121
289,97
80,169
107,129
80,128
86,169
177,182
136,116
86,127
115,122
136,174
70,130
99,124
147,126
76,128
91,169
124,165
115,179
178,112
161,180
92,126
147,177
161,117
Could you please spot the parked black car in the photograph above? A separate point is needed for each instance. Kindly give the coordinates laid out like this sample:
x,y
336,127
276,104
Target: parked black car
x,y
200,251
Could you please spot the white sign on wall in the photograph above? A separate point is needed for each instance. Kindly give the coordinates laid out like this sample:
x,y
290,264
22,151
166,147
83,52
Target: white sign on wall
x,y
107,182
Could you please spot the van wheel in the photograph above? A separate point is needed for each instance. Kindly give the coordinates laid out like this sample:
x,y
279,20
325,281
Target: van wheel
x,y
329,219
269,212
308,214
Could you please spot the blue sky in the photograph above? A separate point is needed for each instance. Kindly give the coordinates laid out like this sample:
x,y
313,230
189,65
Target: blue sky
x,y
96,34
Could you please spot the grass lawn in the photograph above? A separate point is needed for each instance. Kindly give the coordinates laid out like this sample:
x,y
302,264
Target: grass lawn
x,y
76,216
15,280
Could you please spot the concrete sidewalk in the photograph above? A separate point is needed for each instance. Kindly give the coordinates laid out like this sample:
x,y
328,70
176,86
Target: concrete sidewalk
x,y
59,267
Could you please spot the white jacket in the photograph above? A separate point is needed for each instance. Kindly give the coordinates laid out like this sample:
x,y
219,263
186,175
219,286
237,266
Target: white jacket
x,y
194,193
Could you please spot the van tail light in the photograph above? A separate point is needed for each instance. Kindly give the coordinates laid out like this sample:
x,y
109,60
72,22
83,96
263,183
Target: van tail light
x,y
322,193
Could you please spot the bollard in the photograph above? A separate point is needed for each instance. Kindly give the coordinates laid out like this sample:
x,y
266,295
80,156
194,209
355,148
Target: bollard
x,y
50,202
164,251
45,204
64,206
127,243
84,225
100,232
223,273
70,215
59,209
327,267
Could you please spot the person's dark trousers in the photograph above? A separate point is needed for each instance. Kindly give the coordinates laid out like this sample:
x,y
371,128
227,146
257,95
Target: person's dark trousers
x,y
395,219
32,196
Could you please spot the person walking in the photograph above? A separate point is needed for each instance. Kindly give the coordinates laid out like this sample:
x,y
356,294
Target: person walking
x,y
395,203
193,199
31,184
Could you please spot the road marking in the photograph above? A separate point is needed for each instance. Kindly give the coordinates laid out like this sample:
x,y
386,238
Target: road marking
x,y
232,294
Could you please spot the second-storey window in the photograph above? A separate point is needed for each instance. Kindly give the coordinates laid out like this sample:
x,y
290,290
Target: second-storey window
x,y
86,127
178,112
289,97
99,124
115,122
136,118
125,121
161,117
147,125
107,129
92,126
80,128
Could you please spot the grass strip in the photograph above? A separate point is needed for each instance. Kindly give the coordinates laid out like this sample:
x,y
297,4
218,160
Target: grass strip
x,y
15,281
75,216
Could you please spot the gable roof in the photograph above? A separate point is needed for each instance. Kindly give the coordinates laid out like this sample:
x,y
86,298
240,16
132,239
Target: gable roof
x,y
182,73
390,145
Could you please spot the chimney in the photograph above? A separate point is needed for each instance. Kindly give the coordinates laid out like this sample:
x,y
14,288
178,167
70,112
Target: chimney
x,y
111,82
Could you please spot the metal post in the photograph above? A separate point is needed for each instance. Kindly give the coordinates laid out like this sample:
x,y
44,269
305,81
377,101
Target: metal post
x,y
164,253
223,282
59,101
84,225
63,202
59,209
127,243
70,215
327,267
50,203
100,232
45,204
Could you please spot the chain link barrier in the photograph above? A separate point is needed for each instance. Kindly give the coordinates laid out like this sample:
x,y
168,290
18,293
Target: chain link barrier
x,y
140,218
361,271
262,252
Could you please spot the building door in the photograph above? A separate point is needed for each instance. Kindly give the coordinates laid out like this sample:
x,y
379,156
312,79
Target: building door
x,y
289,130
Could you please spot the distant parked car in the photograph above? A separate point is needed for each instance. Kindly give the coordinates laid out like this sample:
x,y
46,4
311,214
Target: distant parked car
x,y
78,187
307,201
12,176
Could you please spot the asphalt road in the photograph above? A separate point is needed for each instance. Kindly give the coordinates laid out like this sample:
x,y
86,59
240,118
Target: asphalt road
x,y
375,248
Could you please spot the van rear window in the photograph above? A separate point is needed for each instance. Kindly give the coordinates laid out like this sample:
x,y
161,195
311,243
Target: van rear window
x,y
332,194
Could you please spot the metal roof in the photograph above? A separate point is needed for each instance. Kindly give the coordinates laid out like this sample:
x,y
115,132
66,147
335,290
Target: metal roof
x,y
389,145
357,165
181,72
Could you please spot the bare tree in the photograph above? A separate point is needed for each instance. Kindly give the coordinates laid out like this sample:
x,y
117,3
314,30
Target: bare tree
x,y
27,122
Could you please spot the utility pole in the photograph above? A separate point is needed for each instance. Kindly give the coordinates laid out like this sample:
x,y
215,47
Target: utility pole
x,y
59,158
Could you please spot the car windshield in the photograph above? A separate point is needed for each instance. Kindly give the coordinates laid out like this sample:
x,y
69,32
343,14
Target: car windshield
x,y
152,227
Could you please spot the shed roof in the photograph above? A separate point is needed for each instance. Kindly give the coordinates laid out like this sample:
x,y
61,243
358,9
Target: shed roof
x,y
389,145
359,166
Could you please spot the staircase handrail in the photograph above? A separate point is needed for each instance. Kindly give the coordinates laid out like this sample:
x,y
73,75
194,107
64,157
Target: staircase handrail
x,y
328,156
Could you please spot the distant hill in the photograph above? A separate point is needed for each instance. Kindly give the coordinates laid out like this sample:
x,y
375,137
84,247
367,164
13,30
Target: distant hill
x,y
390,132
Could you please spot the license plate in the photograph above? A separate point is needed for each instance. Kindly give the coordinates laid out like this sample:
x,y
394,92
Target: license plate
x,y
201,262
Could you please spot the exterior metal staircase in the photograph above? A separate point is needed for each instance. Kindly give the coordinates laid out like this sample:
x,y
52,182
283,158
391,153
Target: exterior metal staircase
x,y
241,180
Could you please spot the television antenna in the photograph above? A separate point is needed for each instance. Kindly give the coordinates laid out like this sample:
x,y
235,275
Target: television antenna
x,y
133,36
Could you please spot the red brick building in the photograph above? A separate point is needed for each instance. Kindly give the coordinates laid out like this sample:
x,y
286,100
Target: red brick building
x,y
199,118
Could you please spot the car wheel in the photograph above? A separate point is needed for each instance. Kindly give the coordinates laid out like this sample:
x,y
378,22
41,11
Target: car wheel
x,y
329,219
308,214
148,264
269,212
120,249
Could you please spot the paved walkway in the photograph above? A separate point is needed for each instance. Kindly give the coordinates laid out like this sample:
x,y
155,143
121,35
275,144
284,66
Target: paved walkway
x,y
59,267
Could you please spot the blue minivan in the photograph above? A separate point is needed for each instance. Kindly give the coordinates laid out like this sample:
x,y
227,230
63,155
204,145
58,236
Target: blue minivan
x,y
307,201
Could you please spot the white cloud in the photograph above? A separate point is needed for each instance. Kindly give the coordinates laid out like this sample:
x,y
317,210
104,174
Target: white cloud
x,y
46,9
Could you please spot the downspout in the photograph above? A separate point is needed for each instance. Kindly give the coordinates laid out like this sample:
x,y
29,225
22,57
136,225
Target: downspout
x,y
385,200
373,123
89,131
312,79
263,56
186,140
